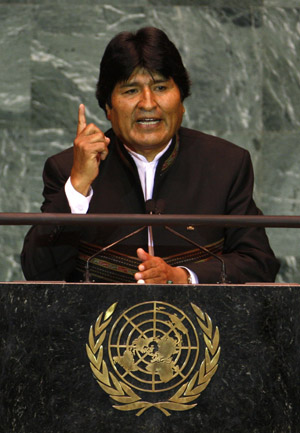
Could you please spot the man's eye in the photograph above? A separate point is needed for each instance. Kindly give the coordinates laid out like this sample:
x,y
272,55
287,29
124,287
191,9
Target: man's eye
x,y
130,91
160,88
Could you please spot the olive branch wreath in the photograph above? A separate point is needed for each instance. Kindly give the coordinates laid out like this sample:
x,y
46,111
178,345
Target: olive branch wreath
x,y
122,393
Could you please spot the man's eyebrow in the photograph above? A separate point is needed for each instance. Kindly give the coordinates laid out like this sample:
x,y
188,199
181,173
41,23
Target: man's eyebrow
x,y
137,83
128,84
160,80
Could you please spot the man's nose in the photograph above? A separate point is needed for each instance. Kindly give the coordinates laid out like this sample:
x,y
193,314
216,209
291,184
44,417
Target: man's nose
x,y
147,100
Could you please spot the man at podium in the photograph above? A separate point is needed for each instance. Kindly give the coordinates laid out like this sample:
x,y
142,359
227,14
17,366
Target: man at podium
x,y
147,162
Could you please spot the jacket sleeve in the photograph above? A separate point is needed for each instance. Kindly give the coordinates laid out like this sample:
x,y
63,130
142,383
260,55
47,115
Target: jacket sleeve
x,y
49,252
247,254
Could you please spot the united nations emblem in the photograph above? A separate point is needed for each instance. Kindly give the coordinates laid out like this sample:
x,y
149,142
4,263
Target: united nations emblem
x,y
153,349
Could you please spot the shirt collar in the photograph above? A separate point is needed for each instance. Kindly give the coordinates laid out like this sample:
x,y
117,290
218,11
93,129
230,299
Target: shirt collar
x,y
138,158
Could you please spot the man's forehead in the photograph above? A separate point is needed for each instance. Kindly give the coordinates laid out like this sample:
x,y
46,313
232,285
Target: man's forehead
x,y
144,75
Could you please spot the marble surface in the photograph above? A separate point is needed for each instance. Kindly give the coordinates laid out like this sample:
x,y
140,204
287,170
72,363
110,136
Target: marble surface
x,y
47,385
244,64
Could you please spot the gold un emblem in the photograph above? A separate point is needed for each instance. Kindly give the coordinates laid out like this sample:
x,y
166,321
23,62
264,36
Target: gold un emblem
x,y
153,350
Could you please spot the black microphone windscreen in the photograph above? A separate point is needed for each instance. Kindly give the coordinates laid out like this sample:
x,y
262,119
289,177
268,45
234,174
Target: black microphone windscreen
x,y
160,206
150,206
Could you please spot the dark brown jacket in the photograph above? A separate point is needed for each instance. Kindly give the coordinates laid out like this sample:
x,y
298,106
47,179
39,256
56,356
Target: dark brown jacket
x,y
199,174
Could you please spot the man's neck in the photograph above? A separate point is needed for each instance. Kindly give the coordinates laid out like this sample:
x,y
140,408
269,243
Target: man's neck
x,y
149,156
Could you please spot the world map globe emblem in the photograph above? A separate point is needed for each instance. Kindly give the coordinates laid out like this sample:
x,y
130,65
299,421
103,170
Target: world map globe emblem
x,y
153,346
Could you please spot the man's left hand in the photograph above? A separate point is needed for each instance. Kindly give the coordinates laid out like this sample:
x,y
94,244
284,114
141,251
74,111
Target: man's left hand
x,y
154,270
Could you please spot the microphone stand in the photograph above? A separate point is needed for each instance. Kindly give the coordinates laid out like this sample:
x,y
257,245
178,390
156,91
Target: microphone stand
x,y
150,208
87,275
157,208
223,269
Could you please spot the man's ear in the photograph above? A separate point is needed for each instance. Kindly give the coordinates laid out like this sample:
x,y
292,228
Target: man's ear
x,y
108,111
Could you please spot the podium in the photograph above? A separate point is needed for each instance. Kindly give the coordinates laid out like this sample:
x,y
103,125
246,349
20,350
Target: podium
x,y
149,358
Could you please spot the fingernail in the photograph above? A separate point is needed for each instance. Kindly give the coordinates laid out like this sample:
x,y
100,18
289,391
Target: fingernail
x,y
141,282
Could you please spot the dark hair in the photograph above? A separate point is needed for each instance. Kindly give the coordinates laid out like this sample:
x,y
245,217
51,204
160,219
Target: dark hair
x,y
148,48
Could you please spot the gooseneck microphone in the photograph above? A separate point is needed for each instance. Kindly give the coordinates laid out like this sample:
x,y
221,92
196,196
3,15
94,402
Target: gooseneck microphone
x,y
223,275
87,275
157,207
149,204
150,208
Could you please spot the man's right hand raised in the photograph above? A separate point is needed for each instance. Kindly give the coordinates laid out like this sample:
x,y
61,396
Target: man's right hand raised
x,y
90,148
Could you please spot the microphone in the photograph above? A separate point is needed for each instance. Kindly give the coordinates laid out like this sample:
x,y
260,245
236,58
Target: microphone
x,y
87,275
158,208
223,275
150,208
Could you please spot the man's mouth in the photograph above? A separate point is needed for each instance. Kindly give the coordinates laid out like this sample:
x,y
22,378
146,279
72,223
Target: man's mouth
x,y
148,121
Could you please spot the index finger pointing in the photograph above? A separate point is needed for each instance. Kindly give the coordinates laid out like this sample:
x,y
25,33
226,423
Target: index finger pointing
x,y
81,119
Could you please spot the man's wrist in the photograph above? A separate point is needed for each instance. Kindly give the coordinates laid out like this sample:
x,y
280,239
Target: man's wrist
x,y
80,187
191,276
78,203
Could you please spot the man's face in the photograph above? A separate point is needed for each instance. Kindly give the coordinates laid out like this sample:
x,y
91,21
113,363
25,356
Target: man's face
x,y
146,111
